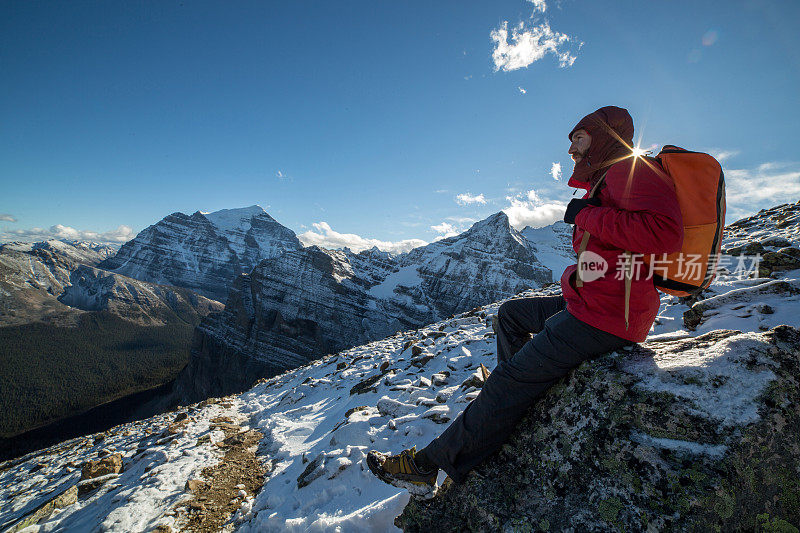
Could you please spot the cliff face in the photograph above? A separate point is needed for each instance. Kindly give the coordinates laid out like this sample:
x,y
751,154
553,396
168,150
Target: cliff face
x,y
203,252
307,303
289,310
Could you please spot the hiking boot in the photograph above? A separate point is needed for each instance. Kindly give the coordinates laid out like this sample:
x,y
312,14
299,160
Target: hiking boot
x,y
401,471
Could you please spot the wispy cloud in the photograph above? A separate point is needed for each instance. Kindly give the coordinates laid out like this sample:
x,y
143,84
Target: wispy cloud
x,y
462,220
539,5
59,231
281,175
325,237
527,44
555,171
466,198
521,90
531,210
769,184
5,217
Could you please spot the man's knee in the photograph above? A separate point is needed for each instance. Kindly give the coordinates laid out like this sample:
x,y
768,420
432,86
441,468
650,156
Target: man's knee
x,y
503,314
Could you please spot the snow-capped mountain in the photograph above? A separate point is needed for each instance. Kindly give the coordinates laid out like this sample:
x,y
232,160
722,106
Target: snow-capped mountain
x,y
203,251
56,281
310,302
693,429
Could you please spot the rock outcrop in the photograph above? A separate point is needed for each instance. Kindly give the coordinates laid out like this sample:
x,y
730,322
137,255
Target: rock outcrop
x,y
693,434
203,251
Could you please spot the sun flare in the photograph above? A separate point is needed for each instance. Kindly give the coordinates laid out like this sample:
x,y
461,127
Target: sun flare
x,y
638,152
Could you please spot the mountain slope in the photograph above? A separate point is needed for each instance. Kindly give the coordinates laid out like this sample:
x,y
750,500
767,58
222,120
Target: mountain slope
x,y
697,425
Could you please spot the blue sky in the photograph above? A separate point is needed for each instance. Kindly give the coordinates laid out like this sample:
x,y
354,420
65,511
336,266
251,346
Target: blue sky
x,y
360,123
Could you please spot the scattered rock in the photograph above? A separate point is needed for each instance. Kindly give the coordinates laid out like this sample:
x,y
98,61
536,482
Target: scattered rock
x,y
416,350
312,471
239,469
194,485
384,366
341,366
65,499
90,485
101,467
477,379
180,418
369,384
419,362
354,410
391,407
163,528
440,378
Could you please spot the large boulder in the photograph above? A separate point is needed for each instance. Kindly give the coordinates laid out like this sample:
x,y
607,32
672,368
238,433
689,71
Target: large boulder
x,y
111,464
692,434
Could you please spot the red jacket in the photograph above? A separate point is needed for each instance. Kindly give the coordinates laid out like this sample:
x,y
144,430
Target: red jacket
x,y
639,214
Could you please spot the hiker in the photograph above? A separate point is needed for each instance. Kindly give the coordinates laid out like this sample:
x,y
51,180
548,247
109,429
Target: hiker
x,y
634,209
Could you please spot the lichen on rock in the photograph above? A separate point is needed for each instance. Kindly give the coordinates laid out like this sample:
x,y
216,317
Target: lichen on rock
x,y
689,435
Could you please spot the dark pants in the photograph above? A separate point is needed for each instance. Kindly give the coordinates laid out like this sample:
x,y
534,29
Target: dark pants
x,y
526,368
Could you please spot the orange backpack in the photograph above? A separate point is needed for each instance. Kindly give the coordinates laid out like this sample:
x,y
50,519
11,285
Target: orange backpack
x,y
700,189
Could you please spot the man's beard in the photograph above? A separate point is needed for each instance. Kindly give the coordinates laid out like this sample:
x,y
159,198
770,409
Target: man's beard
x,y
581,157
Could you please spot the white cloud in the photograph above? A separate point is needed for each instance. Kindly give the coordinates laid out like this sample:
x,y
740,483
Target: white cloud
x,y
532,210
466,198
281,176
523,91
749,190
59,231
722,155
444,230
529,44
326,237
555,171
538,5
5,217
462,220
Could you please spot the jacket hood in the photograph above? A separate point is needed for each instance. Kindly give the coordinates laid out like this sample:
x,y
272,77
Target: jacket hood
x,y
611,129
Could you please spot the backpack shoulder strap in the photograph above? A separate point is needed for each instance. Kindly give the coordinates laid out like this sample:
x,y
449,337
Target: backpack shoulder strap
x,y
585,238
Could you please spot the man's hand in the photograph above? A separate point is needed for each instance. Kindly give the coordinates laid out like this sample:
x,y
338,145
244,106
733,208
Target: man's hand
x,y
576,205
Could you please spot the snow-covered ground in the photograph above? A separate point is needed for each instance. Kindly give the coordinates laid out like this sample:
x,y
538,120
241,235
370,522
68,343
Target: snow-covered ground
x,y
319,422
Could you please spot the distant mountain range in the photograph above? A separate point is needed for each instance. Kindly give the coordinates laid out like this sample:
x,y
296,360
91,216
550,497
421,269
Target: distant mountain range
x,y
286,304
57,281
297,304
693,429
